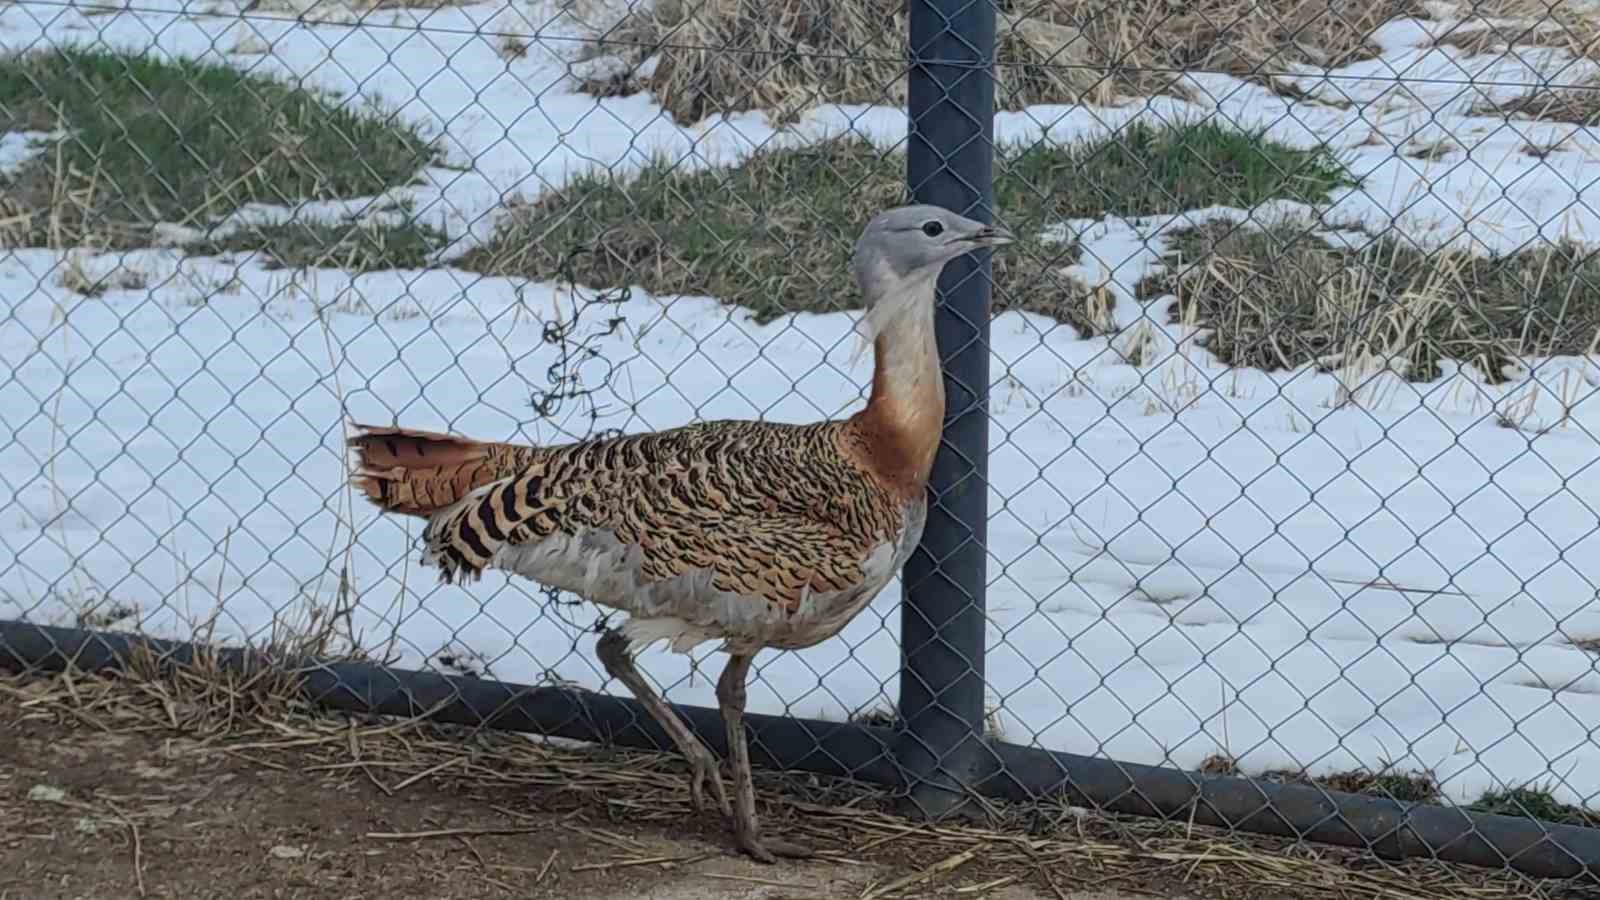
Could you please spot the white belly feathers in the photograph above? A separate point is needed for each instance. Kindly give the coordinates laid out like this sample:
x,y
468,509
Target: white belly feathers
x,y
687,609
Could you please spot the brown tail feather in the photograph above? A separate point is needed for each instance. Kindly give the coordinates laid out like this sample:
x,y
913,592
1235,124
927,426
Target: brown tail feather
x,y
418,473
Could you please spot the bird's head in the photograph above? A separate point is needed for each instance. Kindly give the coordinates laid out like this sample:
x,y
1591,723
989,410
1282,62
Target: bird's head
x,y
901,252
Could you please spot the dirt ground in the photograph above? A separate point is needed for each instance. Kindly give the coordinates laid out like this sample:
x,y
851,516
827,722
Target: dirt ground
x,y
86,808
126,789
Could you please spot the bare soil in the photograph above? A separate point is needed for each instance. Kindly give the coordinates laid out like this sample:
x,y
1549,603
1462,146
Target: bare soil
x,y
85,808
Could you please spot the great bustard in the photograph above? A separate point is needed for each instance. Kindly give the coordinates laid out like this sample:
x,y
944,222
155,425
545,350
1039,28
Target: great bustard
x,y
755,534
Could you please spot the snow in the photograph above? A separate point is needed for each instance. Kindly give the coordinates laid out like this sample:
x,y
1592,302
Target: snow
x,y
1300,569
17,147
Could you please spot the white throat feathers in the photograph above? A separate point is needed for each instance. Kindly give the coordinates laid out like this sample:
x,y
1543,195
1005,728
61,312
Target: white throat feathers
x,y
895,303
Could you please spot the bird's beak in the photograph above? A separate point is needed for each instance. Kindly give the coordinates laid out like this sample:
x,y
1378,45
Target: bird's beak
x,y
992,236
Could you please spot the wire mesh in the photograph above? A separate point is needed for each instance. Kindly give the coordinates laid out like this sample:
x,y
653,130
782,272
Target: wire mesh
x,y
1282,461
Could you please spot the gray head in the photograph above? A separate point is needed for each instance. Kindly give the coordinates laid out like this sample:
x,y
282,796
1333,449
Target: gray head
x,y
909,245
898,259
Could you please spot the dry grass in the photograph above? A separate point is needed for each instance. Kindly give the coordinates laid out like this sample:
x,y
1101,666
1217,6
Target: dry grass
x,y
1280,298
1566,26
724,56
76,276
263,720
1578,105
324,11
1494,26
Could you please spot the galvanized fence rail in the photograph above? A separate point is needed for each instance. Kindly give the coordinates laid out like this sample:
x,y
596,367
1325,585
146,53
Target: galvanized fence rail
x,y
937,752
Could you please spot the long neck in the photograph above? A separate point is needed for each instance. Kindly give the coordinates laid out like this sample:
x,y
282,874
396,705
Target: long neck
x,y
904,416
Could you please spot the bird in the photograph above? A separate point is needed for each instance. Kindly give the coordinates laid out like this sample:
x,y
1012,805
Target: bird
x,y
756,534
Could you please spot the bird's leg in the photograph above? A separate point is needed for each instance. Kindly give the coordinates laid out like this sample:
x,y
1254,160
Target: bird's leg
x,y
612,649
731,697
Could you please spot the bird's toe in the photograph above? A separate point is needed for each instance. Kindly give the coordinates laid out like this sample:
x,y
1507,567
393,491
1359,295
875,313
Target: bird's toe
x,y
788,849
755,850
770,849
706,770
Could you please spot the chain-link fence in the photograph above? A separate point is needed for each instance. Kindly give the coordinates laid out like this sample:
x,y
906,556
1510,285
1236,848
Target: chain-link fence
x,y
1265,497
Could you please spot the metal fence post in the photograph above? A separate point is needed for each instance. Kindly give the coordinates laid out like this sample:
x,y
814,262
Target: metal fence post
x,y
949,163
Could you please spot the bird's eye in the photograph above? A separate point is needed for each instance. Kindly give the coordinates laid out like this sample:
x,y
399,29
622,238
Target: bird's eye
x,y
932,229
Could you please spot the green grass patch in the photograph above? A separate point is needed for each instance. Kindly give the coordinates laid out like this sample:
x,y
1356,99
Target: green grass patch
x,y
1142,170
1536,804
1408,786
1280,297
179,141
774,234
353,246
1419,786
1412,786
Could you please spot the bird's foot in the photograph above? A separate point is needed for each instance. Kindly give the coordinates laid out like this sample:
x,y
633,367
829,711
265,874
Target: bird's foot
x,y
705,769
769,850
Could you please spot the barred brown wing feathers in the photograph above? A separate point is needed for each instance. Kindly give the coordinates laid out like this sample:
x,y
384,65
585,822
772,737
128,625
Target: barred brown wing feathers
x,y
464,539
770,511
